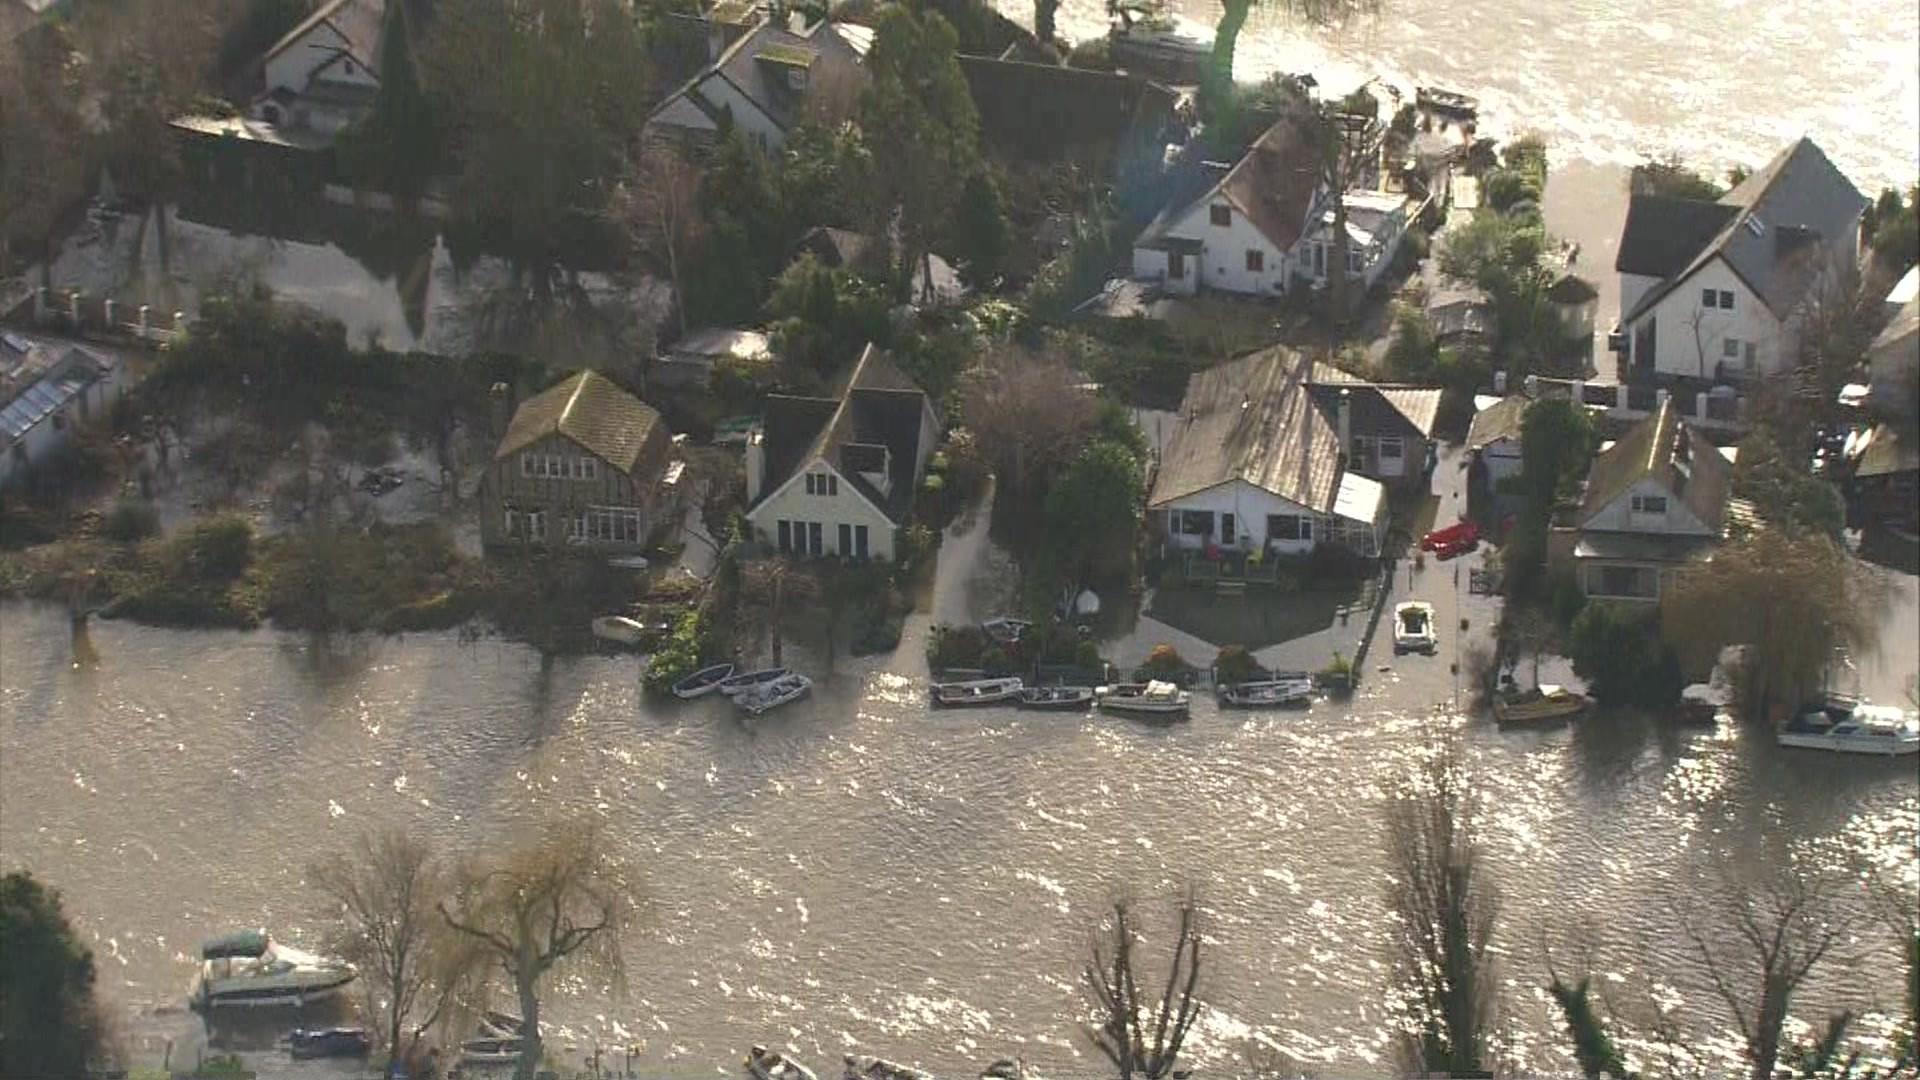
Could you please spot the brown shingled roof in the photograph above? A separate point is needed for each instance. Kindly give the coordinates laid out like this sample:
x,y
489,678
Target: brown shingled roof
x,y
589,409
1273,184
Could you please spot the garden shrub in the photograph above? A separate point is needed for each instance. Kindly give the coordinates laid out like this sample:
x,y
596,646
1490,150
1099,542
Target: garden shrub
x,y
1235,664
130,520
213,549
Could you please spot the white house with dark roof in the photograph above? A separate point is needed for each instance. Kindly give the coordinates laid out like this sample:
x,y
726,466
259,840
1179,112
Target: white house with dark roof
x,y
1273,452
765,82
837,476
324,74
1715,290
48,391
1266,222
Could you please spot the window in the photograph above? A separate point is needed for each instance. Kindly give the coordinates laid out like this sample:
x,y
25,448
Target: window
x,y
786,537
810,479
860,541
1726,300
1649,504
1390,448
1319,260
1176,265
823,484
1730,348
526,464
814,546
1289,527
846,541
1220,215
1227,535
1256,261
612,525
1752,352
584,468
1633,582
1707,298
1195,522
1362,447
537,525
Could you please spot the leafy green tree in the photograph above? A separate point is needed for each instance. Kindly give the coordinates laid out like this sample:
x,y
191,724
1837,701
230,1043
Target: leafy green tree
x,y
823,317
746,242
1669,176
1622,657
49,1026
827,177
1557,441
538,136
1896,234
981,236
1412,353
1096,500
398,146
920,120
1786,496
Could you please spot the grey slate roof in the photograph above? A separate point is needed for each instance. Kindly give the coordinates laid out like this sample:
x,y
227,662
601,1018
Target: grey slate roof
x,y
1786,216
1663,234
756,65
881,407
1673,452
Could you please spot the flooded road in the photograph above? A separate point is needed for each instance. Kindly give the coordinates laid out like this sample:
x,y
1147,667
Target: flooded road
x,y
860,873
1611,80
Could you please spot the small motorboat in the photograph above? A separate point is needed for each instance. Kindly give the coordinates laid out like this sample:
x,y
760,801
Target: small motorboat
x,y
1004,1069
976,691
875,1068
1161,701
771,695
765,1064
620,630
747,680
1005,630
1268,693
1537,705
1845,726
1413,629
249,968
303,1043
1446,102
1056,698
1167,43
1703,703
490,1050
702,682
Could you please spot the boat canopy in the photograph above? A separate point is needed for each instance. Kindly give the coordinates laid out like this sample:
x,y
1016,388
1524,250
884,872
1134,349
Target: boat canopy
x,y
244,943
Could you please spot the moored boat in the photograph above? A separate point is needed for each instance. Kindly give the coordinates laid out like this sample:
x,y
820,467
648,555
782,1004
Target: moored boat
x,y
1702,703
702,682
304,1043
876,1068
1854,727
1056,698
1446,102
1165,43
760,699
250,968
976,691
1268,693
1160,701
1413,629
765,1064
620,630
1537,705
1005,630
747,680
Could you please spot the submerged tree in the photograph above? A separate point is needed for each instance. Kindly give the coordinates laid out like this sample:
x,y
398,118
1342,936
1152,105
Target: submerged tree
x,y
1142,1034
773,584
548,902
49,1025
1445,910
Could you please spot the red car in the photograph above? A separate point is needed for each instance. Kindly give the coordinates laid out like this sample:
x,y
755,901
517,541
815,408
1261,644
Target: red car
x,y
1456,539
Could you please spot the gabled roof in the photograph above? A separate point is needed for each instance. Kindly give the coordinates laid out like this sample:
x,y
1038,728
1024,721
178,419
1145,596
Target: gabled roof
x,y
756,66
1273,187
1785,216
1672,452
1663,233
1252,419
358,22
1904,325
589,409
880,407
1500,420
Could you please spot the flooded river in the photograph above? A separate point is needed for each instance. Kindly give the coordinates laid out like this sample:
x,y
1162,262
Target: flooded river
x,y
861,873
1725,82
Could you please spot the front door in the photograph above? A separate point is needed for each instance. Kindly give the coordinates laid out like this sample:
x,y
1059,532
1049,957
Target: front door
x,y
814,546
1228,537
860,541
846,541
1643,344
1176,265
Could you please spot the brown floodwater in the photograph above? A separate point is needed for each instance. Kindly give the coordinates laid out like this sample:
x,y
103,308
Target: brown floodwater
x,y
863,874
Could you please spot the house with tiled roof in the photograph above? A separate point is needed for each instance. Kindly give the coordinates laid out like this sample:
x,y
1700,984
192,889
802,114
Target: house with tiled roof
x,y
581,464
836,476
324,74
1266,225
1274,452
1655,500
1714,290
764,82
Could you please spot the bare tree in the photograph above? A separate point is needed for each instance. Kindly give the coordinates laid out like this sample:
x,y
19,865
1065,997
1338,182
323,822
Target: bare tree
x,y
383,891
549,902
1142,1036
1028,413
772,583
1348,146
659,205
1445,912
1779,934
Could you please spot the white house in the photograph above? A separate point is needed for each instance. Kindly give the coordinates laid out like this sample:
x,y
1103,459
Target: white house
x,y
1272,453
324,74
765,82
47,392
837,476
1267,222
1654,501
1715,290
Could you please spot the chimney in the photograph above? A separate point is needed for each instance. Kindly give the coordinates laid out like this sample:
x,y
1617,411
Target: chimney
x,y
1345,423
756,462
500,398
